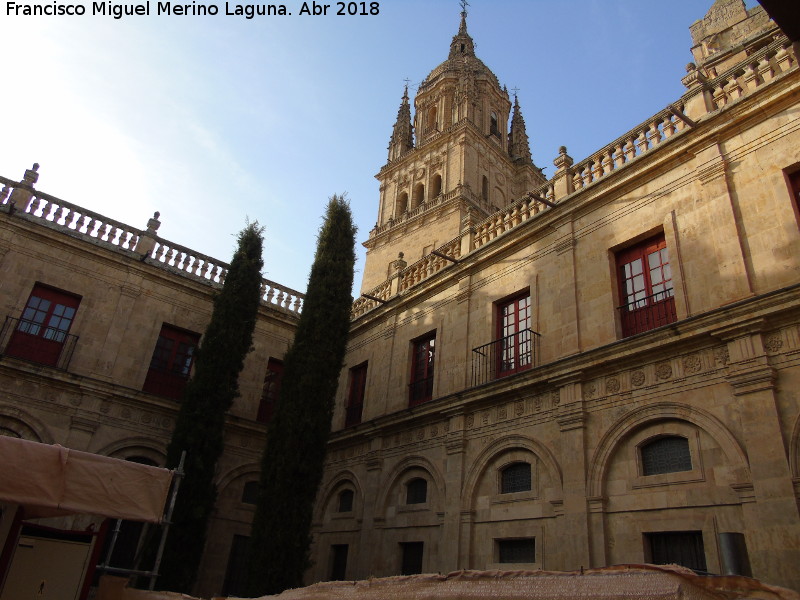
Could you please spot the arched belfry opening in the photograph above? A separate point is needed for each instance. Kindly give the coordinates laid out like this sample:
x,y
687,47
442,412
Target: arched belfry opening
x,y
436,185
402,204
419,195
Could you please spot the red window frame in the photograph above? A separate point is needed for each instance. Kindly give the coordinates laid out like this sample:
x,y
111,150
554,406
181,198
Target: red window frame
x,y
355,395
43,326
515,351
423,360
794,182
171,363
646,291
270,391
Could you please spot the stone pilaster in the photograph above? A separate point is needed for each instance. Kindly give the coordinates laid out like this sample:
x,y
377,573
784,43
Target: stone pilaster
x,y
574,524
768,532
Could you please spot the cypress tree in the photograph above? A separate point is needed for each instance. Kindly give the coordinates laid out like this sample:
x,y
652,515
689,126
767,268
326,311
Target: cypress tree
x,y
208,395
292,464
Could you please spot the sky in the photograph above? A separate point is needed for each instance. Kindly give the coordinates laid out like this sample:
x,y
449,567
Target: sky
x,y
217,120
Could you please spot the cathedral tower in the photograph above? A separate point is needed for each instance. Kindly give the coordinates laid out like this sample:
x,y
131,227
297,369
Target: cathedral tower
x,y
455,164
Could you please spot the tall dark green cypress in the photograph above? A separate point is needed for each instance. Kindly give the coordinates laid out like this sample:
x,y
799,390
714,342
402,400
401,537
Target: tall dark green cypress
x,y
208,396
291,468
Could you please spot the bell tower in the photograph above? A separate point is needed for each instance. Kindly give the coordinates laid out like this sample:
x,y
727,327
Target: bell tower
x,y
453,163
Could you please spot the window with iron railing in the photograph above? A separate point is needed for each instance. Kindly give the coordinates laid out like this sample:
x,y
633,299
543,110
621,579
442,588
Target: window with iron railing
x,y
515,347
667,454
171,363
516,477
422,363
41,334
355,395
646,289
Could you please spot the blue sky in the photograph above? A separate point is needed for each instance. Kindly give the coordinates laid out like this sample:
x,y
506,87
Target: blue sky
x,y
213,120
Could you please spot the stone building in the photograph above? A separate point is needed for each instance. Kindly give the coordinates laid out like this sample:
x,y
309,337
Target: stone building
x,y
598,368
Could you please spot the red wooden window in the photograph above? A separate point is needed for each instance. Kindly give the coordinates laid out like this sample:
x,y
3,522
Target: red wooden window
x,y
514,335
424,353
355,395
43,328
794,180
171,362
646,290
270,391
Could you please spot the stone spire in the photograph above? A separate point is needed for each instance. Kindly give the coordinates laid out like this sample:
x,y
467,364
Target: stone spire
x,y
462,44
518,147
402,136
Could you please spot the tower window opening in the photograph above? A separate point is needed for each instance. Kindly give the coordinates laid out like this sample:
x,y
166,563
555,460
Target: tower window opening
x,y
493,128
402,204
436,185
485,189
419,195
462,48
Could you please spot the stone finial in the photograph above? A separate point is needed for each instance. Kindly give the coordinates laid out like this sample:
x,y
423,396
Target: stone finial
x,y
31,176
399,264
691,67
694,77
563,160
153,224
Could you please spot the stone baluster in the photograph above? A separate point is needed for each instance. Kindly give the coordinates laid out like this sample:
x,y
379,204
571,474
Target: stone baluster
x,y
608,161
586,173
765,70
577,180
750,78
4,194
670,127
783,59
720,96
619,155
641,143
630,149
734,89
655,133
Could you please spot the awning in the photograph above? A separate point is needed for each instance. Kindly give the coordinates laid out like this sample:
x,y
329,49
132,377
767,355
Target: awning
x,y
53,480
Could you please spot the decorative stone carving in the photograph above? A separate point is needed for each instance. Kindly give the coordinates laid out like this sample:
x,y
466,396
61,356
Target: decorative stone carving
x,y
470,421
663,370
637,378
692,364
537,403
773,343
721,355
519,409
502,413
126,413
589,390
434,431
612,385
556,397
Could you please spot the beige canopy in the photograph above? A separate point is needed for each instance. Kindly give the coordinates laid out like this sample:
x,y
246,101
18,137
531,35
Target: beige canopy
x,y
52,480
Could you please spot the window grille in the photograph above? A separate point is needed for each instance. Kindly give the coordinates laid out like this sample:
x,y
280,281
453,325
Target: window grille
x,y
683,548
517,551
666,455
417,491
346,501
516,478
412,558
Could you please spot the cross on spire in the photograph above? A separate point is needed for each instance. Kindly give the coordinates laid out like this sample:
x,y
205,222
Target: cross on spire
x,y
464,4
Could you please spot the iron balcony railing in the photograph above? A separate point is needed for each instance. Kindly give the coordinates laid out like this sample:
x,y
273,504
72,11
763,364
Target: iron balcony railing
x,y
505,356
33,342
420,391
648,312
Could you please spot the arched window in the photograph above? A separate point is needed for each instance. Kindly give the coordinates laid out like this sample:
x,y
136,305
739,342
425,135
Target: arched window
x,y
485,188
515,478
431,124
493,128
436,185
667,454
417,491
250,492
346,501
419,195
402,204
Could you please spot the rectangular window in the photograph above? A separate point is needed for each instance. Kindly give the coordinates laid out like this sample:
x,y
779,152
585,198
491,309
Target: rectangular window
x,y
683,548
41,334
355,395
515,351
517,551
794,181
171,362
338,562
236,573
646,291
411,558
422,362
270,391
